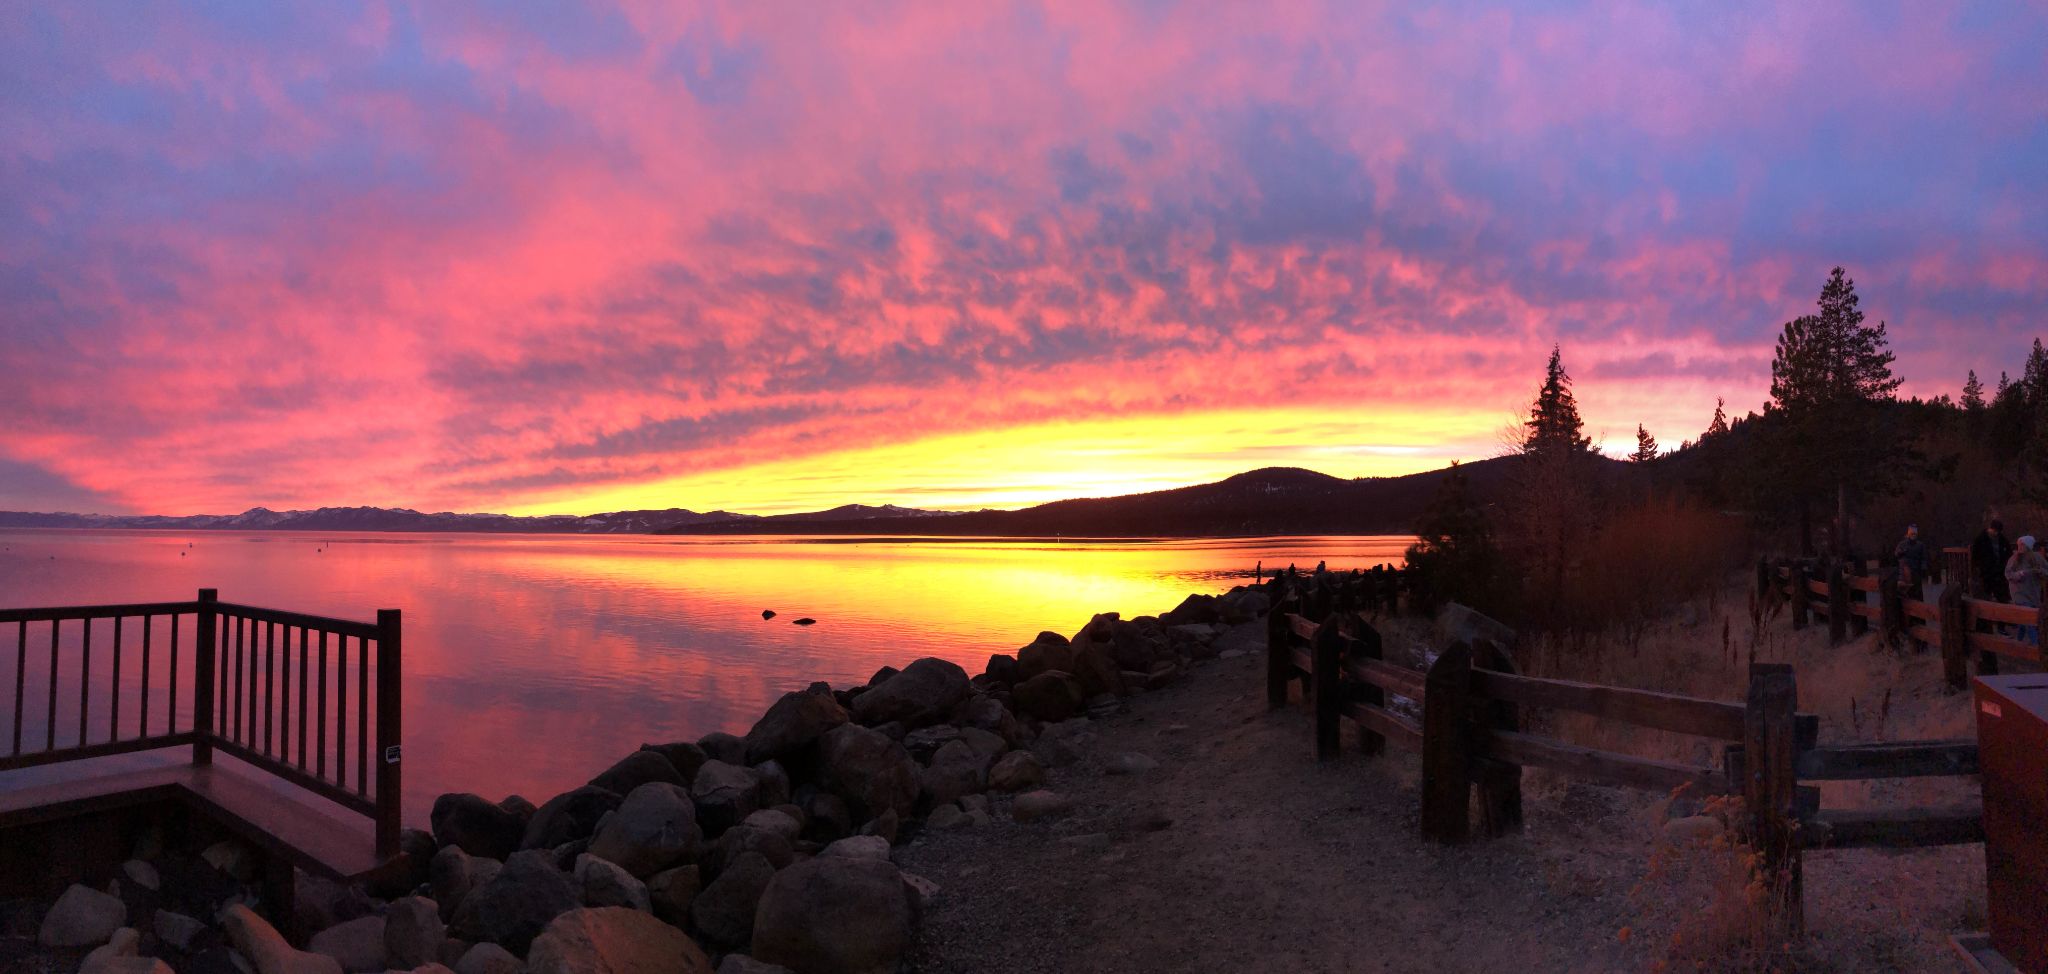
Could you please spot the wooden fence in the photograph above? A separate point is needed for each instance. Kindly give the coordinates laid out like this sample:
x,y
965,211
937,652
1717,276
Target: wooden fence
x,y
1473,741
1958,623
219,676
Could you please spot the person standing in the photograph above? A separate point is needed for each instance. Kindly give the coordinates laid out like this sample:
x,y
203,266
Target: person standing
x,y
1912,558
1988,555
2025,571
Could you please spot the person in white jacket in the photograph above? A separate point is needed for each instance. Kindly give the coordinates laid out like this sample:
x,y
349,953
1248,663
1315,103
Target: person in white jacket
x,y
2024,572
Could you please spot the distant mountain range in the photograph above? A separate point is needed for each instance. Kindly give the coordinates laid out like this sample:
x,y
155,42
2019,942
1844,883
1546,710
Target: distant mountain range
x,y
1272,501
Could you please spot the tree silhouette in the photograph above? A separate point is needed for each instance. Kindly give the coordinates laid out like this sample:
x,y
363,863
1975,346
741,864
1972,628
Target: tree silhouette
x,y
1554,427
1973,394
1646,446
1720,423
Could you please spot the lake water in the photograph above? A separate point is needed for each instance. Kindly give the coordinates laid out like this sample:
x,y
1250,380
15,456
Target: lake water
x,y
533,661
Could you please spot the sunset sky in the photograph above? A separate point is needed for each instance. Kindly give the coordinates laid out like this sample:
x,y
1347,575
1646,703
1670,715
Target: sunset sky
x,y
559,257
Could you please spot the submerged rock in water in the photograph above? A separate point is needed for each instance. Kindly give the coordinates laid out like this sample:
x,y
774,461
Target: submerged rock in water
x,y
805,621
767,613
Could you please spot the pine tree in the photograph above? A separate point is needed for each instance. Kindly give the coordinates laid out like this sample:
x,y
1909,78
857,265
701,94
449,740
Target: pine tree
x,y
1973,394
1720,423
1454,557
1554,427
1646,446
1830,372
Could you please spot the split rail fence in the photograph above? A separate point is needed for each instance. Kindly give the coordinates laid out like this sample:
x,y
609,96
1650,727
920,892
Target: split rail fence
x,y
1473,743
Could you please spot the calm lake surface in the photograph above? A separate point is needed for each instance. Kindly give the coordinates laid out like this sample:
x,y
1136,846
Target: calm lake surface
x,y
533,661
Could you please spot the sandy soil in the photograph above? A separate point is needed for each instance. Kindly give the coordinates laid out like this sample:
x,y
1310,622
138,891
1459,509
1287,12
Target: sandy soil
x,y
1274,862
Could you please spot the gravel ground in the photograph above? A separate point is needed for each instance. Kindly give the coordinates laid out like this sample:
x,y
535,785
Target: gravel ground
x,y
1274,862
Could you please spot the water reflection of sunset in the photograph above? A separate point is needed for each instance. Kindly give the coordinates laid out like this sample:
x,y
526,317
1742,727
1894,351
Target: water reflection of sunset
x,y
532,661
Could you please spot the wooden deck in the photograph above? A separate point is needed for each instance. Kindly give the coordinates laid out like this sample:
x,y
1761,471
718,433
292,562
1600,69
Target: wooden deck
x,y
304,834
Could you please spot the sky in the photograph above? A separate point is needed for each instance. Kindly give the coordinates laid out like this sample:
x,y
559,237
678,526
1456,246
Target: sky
x,y
560,256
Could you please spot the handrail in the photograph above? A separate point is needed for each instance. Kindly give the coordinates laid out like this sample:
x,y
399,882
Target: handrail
x,y
69,612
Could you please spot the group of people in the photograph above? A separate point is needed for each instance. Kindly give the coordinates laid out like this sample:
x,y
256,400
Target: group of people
x,y
2006,571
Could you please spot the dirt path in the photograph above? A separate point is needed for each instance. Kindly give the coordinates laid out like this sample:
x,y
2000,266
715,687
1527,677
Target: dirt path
x,y
1276,863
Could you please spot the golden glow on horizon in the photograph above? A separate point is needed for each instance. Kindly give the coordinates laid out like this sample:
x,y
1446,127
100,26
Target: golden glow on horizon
x,y
1026,465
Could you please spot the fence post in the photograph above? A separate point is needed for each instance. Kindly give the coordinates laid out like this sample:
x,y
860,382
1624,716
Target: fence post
x,y
1838,605
1795,577
387,755
1955,638
1763,581
1446,774
1858,625
1890,607
1770,787
1277,663
206,623
1369,646
1326,655
1500,783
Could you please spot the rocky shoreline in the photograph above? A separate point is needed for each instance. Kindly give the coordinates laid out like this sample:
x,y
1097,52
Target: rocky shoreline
x,y
758,853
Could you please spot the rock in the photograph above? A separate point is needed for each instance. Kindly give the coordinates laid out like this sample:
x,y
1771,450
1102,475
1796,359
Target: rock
x,y
834,915
1002,669
924,693
636,769
826,817
319,902
573,814
767,614
266,948
614,940
1044,655
451,951
946,817
476,826
517,904
122,964
873,773
1033,806
654,828
418,848
859,847
454,873
884,826
1458,623
770,820
739,841
793,725
989,744
974,803
724,911
122,943
413,932
742,964
1148,818
805,621
926,741
671,892
488,958
1016,771
1050,696
958,769
724,795
82,917
233,858
518,806
177,929
774,781
1089,842
141,874
606,884
1693,829
720,746
1064,743
685,756
1128,763
1104,705
1194,609
920,891
358,945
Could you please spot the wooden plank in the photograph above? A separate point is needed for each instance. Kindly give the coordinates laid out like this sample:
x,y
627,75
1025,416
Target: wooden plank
x,y
1770,787
100,750
1379,673
345,627
1865,610
1302,659
1607,767
1924,611
1978,956
1863,583
1662,711
2014,615
2004,646
335,793
1302,627
94,611
1900,759
1896,828
312,837
57,800
1392,726
1446,788
1926,634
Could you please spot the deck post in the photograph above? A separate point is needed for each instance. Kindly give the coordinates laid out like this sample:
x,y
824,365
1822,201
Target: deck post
x,y
1369,646
1770,787
387,753
1500,783
1278,665
1326,656
1838,605
1795,576
204,645
1446,768
1955,638
1858,625
1891,608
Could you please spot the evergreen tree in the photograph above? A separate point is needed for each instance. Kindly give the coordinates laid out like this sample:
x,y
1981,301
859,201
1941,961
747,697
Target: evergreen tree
x,y
1829,375
1454,558
1973,394
1554,427
1720,423
1646,446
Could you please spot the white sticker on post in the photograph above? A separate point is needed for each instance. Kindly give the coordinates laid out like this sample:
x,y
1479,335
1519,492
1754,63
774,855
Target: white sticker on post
x,y
391,754
1991,709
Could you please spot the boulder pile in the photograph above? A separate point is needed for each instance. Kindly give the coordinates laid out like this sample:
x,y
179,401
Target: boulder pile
x,y
768,851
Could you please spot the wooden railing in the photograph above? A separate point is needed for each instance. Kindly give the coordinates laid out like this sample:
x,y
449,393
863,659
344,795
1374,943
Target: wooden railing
x,y
1473,742
1959,624
215,675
